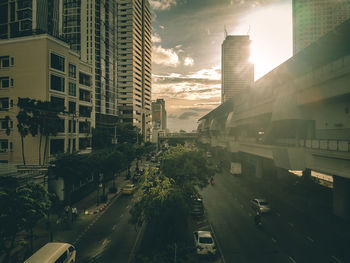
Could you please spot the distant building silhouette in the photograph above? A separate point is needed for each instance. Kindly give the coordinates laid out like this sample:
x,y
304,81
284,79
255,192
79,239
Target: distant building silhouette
x,y
237,72
314,18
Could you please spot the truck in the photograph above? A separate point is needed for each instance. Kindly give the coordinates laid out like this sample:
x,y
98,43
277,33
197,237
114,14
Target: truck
x,y
236,168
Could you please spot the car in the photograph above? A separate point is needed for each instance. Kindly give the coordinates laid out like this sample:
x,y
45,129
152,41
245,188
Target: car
x,y
260,205
128,189
204,243
197,208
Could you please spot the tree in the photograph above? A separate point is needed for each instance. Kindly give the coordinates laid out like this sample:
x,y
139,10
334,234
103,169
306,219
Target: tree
x,y
127,133
21,208
101,138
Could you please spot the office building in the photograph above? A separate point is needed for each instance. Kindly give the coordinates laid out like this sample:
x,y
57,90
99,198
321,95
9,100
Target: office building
x,y
314,18
159,119
90,29
237,72
134,64
23,18
61,77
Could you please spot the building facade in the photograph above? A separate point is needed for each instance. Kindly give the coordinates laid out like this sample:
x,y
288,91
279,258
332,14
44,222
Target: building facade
x,y
60,77
90,27
159,117
314,18
23,18
237,72
134,64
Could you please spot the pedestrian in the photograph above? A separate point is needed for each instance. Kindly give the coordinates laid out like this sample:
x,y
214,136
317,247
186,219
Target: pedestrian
x,y
66,210
74,213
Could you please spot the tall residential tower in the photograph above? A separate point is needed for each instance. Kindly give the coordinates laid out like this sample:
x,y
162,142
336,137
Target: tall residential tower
x,y
314,18
134,64
237,72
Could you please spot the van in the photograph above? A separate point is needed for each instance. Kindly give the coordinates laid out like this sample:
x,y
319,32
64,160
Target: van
x,y
54,253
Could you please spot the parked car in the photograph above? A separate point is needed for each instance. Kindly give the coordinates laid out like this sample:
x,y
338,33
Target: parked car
x,y
128,189
197,208
260,205
204,243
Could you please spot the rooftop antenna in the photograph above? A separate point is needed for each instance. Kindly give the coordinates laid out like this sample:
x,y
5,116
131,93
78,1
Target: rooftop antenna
x,y
225,32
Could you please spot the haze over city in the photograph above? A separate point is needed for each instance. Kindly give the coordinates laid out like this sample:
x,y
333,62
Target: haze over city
x,y
186,58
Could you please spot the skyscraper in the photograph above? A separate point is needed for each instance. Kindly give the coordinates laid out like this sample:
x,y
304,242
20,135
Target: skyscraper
x,y
23,18
314,18
90,29
134,63
159,117
237,72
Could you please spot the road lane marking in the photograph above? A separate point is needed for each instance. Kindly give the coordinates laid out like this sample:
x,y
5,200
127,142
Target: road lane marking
x,y
291,224
310,239
249,214
278,214
121,215
336,259
114,227
274,240
292,259
242,206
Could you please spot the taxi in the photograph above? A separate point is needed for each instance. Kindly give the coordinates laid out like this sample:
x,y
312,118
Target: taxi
x,y
128,189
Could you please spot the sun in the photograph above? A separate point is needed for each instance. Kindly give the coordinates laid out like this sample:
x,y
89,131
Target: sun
x,y
270,30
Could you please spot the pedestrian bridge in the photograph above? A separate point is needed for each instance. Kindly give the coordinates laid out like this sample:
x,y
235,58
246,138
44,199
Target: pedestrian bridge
x,y
297,116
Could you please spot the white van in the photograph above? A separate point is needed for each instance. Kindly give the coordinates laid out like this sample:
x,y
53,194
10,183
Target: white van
x,y
54,253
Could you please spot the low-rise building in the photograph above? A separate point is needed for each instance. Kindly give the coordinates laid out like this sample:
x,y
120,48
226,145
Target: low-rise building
x,y
44,68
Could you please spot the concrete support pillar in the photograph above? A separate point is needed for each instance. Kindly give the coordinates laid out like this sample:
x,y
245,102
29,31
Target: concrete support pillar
x,y
341,197
259,168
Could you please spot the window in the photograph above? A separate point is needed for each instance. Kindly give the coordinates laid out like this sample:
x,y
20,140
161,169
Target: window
x,y
4,145
5,62
57,146
60,125
57,62
84,111
70,126
84,127
57,83
72,107
4,82
72,71
85,79
58,102
72,91
5,124
84,95
4,103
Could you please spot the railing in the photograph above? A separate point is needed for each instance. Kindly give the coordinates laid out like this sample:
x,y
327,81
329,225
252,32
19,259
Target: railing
x,y
330,145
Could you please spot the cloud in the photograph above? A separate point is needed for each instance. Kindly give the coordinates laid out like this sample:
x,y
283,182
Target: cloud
x,y
186,115
167,57
156,38
162,4
188,61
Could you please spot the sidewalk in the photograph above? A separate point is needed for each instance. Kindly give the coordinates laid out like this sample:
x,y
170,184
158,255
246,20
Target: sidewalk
x,y
70,231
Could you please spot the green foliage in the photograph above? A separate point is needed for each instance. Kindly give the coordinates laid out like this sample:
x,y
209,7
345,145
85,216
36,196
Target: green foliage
x,y
166,197
102,138
21,208
127,133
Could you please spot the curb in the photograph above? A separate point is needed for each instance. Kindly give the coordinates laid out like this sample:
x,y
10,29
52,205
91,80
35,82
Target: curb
x,y
137,243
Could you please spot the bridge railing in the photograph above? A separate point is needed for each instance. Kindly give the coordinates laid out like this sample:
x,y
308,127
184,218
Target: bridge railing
x,y
330,145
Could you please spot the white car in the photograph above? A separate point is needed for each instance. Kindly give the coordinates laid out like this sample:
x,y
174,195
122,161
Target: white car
x,y
260,205
204,243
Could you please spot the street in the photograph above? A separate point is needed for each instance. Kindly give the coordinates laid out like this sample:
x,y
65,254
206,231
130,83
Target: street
x,y
111,237
289,233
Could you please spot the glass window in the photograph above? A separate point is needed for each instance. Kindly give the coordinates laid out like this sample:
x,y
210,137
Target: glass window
x,y
72,107
85,79
84,95
59,102
4,82
3,145
84,111
5,62
57,83
57,146
72,71
57,62
4,103
72,89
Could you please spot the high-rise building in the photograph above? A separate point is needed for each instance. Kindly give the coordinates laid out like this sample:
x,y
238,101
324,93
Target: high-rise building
x,y
90,27
159,117
134,64
27,17
314,18
237,72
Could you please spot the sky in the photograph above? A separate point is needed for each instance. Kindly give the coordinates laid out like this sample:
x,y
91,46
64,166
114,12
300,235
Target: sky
x,y
186,53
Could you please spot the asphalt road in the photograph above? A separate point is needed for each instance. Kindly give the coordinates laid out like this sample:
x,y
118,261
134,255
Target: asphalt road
x,y
110,238
289,233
